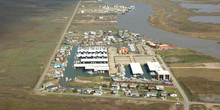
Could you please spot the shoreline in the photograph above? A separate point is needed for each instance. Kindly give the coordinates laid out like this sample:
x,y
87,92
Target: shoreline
x,y
162,24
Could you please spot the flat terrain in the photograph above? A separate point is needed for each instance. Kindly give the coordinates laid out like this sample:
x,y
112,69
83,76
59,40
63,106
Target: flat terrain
x,y
30,30
168,15
198,74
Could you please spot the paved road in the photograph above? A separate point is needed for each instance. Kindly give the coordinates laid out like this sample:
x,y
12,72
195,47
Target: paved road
x,y
186,101
57,47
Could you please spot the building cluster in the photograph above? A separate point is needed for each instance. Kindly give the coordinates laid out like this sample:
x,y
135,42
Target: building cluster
x,y
103,37
156,45
60,61
92,59
58,65
131,90
107,9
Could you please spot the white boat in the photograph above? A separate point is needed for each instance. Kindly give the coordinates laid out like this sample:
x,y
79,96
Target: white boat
x,y
66,78
133,7
61,75
90,72
122,70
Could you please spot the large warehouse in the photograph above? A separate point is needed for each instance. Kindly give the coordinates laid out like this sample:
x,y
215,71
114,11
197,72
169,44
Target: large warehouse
x,y
157,71
92,58
136,69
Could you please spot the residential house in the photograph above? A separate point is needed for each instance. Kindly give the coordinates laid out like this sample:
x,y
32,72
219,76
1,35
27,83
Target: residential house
x,y
163,94
124,85
151,94
114,84
173,94
98,92
159,88
133,85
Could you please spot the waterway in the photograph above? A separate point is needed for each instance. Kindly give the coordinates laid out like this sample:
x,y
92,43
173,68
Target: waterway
x,y
136,21
206,19
209,8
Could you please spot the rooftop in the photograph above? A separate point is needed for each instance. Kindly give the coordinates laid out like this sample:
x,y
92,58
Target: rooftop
x,y
136,68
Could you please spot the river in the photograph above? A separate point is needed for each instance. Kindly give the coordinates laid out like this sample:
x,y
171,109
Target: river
x,y
136,21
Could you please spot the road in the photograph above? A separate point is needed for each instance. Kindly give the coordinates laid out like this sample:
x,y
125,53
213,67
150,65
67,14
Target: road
x,y
186,101
55,50
198,67
205,103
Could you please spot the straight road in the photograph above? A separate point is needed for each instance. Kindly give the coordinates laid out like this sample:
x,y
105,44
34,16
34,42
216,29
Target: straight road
x,y
57,47
186,101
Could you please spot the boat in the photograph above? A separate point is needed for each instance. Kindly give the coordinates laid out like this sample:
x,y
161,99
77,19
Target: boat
x,y
61,75
133,7
66,78
90,72
122,70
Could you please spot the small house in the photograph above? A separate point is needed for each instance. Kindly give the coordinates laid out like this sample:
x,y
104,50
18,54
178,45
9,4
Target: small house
x,y
89,90
115,92
135,93
163,94
78,90
57,65
114,84
151,87
124,85
151,94
159,88
173,94
98,92
47,84
133,85
61,89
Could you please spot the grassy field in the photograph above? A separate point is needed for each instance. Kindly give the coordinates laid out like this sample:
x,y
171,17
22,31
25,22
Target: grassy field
x,y
52,102
197,107
199,83
170,16
185,55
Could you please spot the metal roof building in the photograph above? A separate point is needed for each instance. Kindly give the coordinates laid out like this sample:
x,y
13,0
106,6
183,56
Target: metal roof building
x,y
136,68
93,58
155,67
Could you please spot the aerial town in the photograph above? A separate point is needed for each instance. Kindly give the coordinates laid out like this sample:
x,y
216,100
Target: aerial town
x,y
110,54
109,62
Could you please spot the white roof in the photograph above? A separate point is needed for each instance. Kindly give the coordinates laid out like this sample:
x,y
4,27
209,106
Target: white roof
x,y
163,72
136,68
94,60
92,49
93,66
154,66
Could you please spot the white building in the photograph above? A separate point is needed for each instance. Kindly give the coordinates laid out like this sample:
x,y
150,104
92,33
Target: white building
x,y
92,58
157,71
136,69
